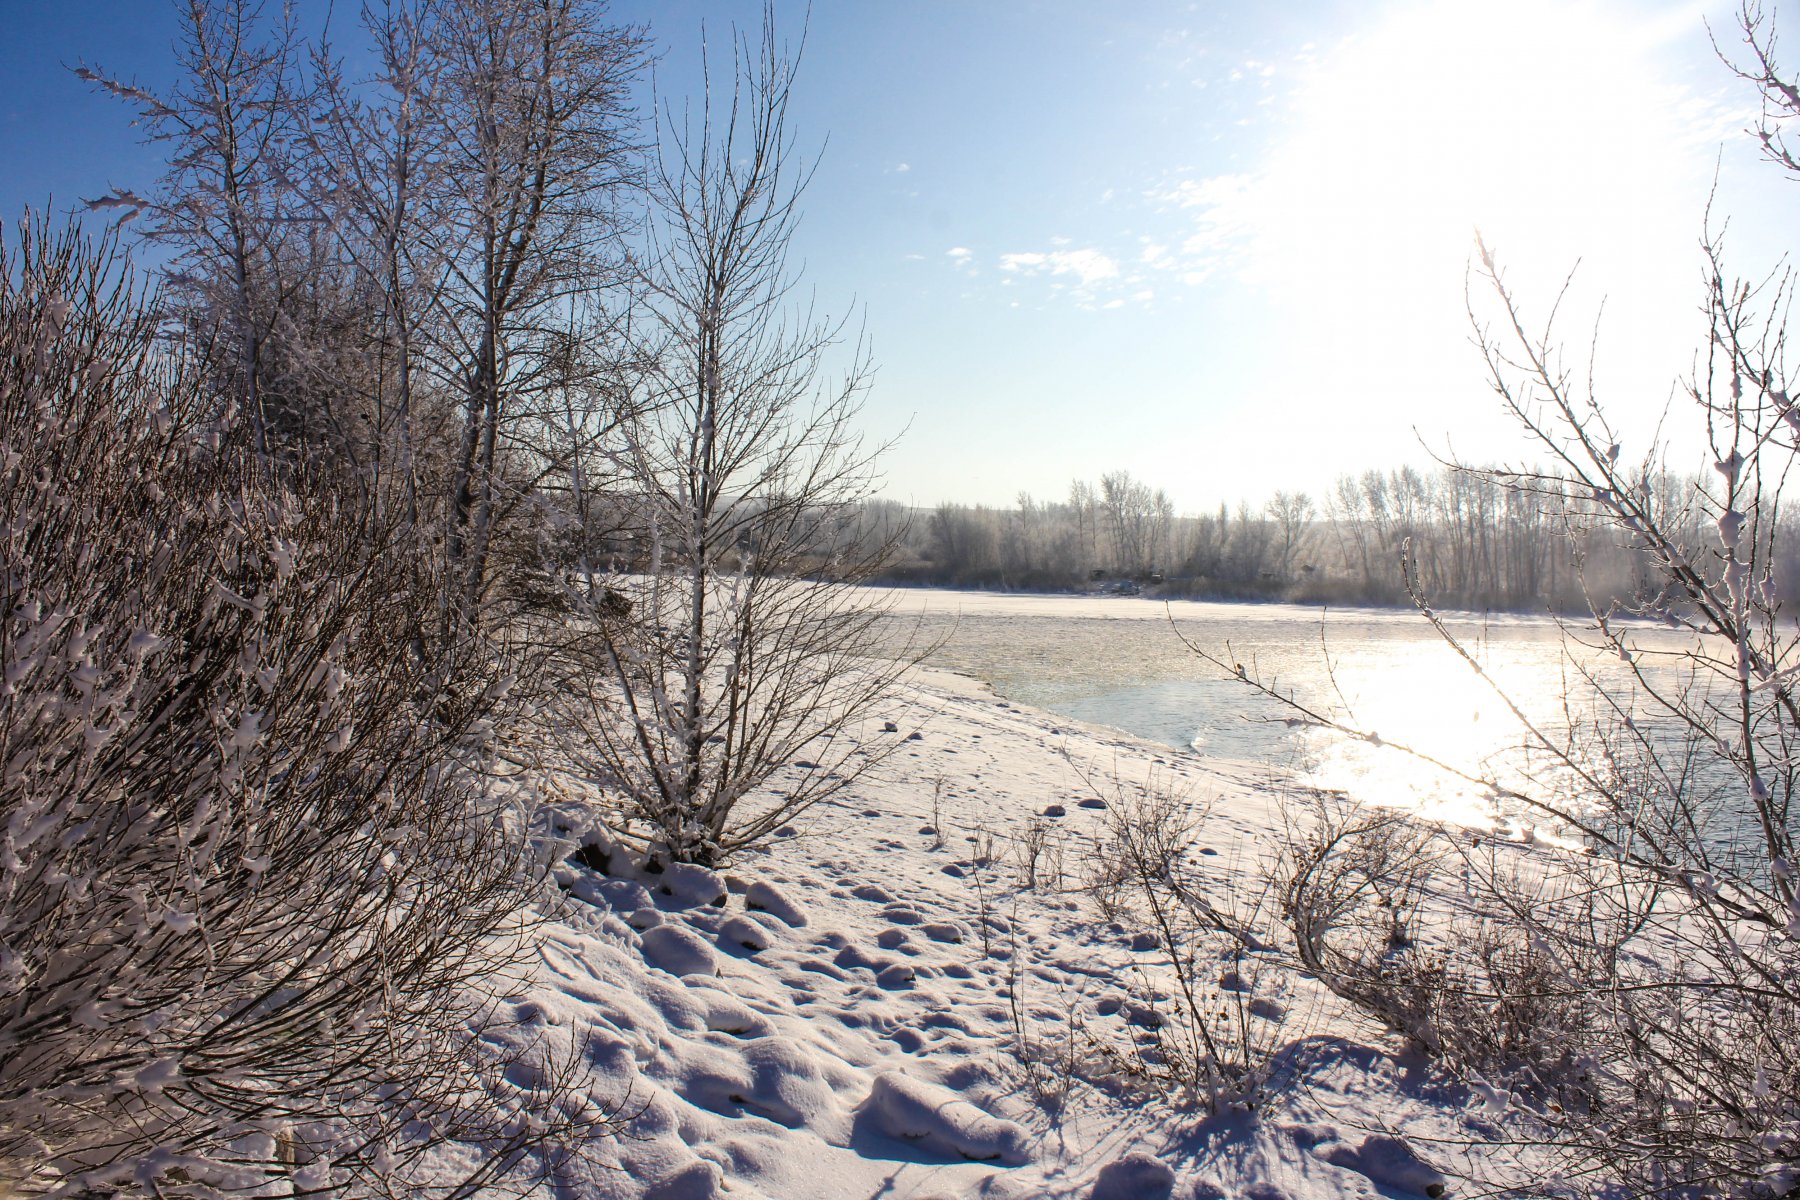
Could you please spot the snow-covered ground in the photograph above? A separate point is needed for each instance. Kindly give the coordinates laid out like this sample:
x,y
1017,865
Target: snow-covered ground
x,y
841,1016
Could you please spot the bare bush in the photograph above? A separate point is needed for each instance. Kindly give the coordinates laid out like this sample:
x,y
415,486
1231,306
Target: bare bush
x,y
250,868
1053,1062
1208,1020
1497,977
1037,853
1349,884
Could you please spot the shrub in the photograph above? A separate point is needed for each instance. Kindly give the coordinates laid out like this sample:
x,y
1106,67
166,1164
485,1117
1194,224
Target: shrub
x,y
247,870
1209,1035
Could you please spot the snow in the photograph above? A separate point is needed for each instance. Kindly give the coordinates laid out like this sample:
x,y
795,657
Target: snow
x,y
1386,1160
903,1107
691,885
876,1006
678,950
768,898
745,932
1137,1176
1187,614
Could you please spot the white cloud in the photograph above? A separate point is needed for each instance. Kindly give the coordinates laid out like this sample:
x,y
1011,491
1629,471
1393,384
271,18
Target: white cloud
x,y
902,168
962,261
1087,276
1088,265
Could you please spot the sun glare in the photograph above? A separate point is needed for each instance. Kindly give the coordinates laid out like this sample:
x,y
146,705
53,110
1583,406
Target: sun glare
x,y
1553,130
1527,122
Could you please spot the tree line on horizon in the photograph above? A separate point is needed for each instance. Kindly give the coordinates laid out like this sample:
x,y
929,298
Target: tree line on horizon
x,y
1472,542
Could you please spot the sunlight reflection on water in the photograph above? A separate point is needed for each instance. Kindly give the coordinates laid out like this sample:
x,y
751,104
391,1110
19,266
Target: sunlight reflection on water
x,y
1387,672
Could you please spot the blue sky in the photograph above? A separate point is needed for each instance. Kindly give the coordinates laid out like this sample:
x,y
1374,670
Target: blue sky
x,y
1219,245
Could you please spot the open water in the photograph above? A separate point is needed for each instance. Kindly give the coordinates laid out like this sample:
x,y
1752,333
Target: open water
x,y
1121,662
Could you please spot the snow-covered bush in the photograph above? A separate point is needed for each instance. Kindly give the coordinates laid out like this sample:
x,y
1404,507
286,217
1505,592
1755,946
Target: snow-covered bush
x,y
246,869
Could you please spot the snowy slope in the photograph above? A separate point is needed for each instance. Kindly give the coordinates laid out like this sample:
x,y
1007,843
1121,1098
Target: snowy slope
x,y
843,1015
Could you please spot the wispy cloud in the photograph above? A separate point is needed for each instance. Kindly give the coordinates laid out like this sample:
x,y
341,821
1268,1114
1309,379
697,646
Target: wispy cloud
x,y
1090,277
1222,217
962,260
1086,275
1088,265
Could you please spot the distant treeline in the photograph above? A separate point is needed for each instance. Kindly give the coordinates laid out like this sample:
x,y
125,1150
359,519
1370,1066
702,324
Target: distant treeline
x,y
1476,541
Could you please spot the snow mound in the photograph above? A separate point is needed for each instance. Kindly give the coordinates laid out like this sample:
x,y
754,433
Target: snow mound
x,y
698,1180
772,900
621,895
1387,1161
896,975
679,951
691,886
1136,1176
725,1013
742,931
914,1111
953,932
774,1078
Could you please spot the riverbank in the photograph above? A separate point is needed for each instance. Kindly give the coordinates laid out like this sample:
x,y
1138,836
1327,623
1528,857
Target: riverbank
x,y
890,1002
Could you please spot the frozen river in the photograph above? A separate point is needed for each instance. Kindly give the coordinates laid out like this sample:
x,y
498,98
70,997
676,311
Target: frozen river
x,y
1119,661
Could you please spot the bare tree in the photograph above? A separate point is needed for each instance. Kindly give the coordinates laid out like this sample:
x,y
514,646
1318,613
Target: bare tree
x,y
528,113
962,541
744,652
401,263
374,155
1292,513
226,206
1084,509
1138,517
